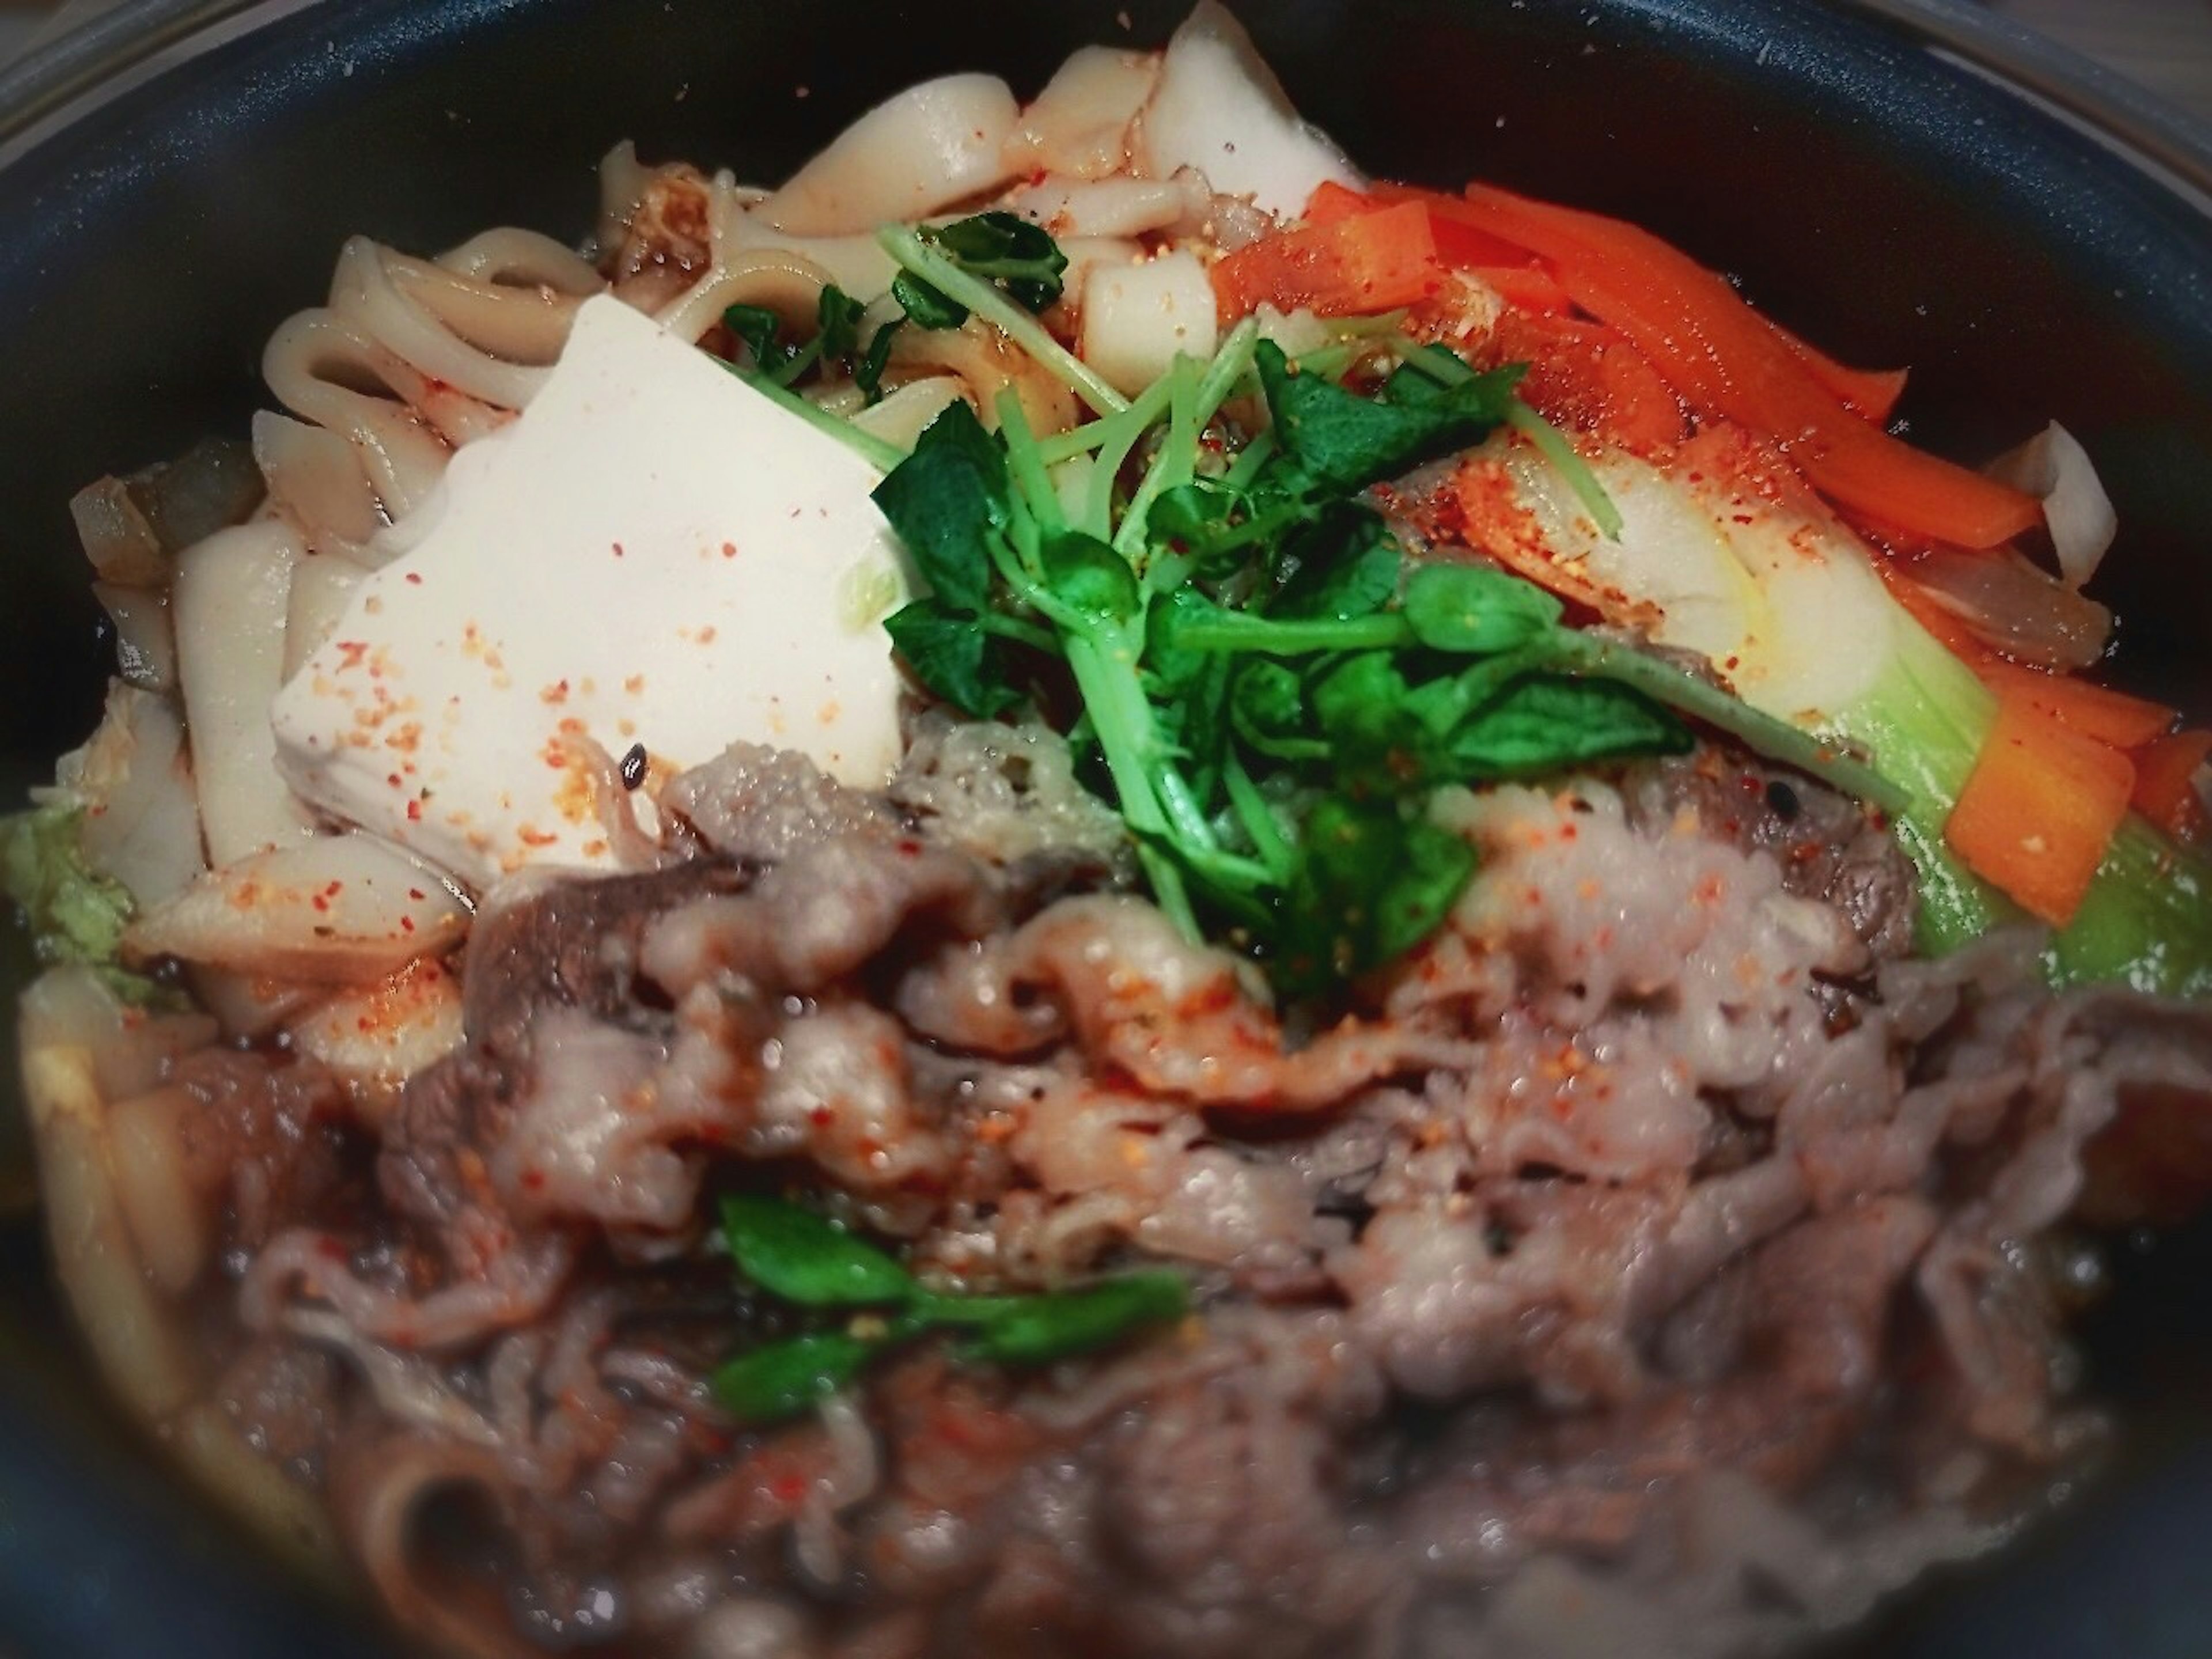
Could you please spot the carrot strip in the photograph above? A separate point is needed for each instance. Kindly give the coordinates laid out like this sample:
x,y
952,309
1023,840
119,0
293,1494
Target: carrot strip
x,y
2095,711
1870,393
1524,288
2038,809
1349,266
1726,358
1332,201
1511,272
1588,378
2166,784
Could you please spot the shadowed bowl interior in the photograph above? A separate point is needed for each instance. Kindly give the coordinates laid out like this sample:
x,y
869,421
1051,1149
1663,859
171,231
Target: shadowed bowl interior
x,y
1851,166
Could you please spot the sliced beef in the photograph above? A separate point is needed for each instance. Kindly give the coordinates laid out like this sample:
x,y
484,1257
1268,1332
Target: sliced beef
x,y
1828,845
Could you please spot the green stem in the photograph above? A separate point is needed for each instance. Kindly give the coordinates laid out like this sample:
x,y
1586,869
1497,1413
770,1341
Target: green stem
x,y
1250,459
1238,630
1231,362
1260,824
1778,740
1024,462
1443,366
878,452
1552,445
986,301
1171,466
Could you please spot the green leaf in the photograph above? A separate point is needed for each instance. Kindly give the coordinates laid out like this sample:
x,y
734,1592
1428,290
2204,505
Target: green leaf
x,y
1188,689
75,913
1194,513
947,502
780,1380
838,314
1372,883
950,652
1550,723
1091,579
923,306
868,369
756,326
803,1257
1454,607
1268,703
1344,563
1352,441
1036,1330
1020,256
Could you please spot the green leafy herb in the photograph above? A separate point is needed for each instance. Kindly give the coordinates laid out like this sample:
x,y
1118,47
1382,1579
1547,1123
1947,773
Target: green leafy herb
x,y
1271,693
950,503
74,914
949,651
1374,880
1351,441
1547,724
838,313
868,368
758,328
804,1258
1004,248
924,305
779,1380
1036,1330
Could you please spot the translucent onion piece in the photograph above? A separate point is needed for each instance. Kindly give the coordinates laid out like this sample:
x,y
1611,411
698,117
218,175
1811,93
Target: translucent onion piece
x,y
335,910
142,822
374,1039
152,1168
2054,466
145,645
2018,609
138,1343
117,538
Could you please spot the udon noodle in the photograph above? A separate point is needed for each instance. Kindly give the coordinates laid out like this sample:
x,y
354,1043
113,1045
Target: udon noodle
x,y
1662,1253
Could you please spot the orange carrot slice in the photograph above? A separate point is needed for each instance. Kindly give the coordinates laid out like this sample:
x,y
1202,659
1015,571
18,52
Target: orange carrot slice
x,y
1346,267
1726,359
2038,809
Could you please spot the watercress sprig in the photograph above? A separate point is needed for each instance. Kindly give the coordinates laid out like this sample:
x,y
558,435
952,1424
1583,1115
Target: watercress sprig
x,y
802,1258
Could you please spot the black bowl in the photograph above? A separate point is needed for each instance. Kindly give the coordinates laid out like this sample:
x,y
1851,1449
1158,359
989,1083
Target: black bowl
x,y
1904,180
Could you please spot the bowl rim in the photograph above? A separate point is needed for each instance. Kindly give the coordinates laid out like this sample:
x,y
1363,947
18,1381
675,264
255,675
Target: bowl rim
x,y
66,77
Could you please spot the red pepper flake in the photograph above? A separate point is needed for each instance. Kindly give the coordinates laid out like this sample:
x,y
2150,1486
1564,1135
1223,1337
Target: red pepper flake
x,y
414,578
618,550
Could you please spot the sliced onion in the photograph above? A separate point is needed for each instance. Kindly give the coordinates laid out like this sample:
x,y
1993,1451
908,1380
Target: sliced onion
x,y
2020,609
2053,465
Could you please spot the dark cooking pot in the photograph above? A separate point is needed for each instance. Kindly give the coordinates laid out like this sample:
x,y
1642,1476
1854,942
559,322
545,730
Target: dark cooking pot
x,y
176,179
